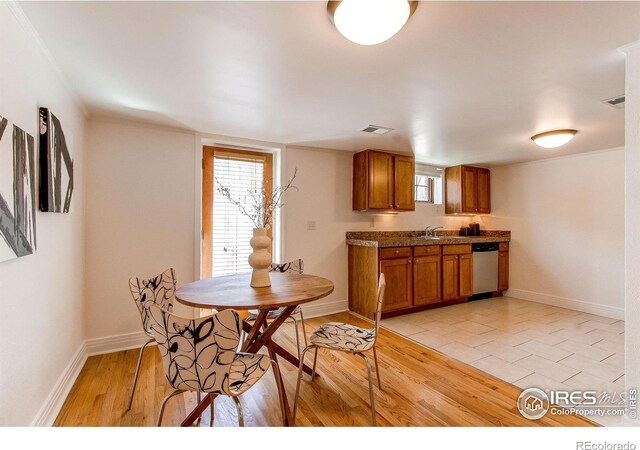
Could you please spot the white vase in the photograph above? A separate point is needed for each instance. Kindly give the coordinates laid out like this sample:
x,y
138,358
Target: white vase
x,y
260,259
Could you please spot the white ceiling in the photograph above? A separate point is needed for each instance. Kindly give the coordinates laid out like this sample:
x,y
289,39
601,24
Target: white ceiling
x,y
463,82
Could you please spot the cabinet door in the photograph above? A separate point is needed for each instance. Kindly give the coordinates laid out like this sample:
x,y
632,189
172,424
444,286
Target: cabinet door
x,y
426,280
380,181
503,271
466,275
404,185
469,189
484,191
450,274
398,293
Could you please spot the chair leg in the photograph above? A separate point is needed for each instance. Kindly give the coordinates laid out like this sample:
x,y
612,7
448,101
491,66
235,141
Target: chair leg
x,y
243,336
371,397
304,331
276,374
300,367
198,399
164,403
295,324
212,408
239,409
135,377
315,360
375,360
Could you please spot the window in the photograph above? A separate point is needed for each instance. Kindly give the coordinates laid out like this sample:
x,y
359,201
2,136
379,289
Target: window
x,y
225,231
428,185
424,188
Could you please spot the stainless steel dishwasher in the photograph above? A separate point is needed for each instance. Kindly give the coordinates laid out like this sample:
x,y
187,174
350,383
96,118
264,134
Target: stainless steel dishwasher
x,y
485,269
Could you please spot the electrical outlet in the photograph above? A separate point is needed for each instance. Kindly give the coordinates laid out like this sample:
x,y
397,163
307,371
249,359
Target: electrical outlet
x,y
311,225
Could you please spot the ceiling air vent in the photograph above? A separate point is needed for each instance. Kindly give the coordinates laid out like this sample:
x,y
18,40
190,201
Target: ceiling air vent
x,y
375,129
615,102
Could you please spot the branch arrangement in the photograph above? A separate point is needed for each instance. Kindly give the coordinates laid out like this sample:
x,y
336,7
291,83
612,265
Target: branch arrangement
x,y
258,204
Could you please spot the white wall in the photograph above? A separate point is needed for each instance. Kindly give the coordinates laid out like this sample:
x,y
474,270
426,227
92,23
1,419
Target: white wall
x,y
41,295
560,218
566,216
632,220
140,216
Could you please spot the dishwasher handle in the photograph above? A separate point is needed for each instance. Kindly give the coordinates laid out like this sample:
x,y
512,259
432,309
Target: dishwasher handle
x,y
485,247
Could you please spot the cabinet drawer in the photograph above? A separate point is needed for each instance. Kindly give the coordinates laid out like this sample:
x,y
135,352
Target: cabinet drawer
x,y
395,252
426,250
456,249
504,246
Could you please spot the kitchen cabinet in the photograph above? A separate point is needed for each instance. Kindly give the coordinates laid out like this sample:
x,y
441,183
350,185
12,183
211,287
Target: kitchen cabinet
x,y
398,276
450,277
418,277
457,272
503,267
427,287
465,275
467,190
404,174
383,181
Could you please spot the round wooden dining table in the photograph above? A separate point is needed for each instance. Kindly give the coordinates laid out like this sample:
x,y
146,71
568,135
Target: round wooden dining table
x,y
287,291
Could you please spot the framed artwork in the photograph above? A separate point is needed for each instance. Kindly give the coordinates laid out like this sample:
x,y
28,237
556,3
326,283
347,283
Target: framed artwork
x,y
56,165
17,192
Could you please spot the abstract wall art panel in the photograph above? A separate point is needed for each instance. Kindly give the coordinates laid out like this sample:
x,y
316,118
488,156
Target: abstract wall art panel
x,y
17,192
56,165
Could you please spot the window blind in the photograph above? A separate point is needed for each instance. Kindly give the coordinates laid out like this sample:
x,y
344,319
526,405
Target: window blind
x,y
232,230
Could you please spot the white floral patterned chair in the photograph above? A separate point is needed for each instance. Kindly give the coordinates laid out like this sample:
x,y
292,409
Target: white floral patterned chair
x,y
158,290
200,355
347,338
295,266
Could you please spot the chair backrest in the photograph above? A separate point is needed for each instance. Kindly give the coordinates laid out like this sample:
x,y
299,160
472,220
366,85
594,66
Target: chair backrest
x,y
382,284
158,290
295,266
197,354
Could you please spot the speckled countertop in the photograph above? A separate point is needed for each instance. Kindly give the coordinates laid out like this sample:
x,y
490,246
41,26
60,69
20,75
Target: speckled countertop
x,y
416,238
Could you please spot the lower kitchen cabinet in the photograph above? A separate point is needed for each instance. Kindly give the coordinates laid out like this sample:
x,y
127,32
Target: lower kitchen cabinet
x,y
466,275
420,277
450,277
503,271
457,272
398,276
426,280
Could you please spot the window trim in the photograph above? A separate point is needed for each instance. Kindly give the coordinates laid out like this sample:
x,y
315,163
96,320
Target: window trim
x,y
208,154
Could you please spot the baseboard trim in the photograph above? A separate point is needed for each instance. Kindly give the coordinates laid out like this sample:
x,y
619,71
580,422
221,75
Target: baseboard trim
x,y
569,303
47,414
323,309
50,409
110,344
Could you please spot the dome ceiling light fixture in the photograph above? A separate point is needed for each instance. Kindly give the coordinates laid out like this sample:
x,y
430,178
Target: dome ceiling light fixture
x,y
370,22
553,139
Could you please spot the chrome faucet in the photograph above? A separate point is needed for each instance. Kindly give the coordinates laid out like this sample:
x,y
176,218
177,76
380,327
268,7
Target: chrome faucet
x,y
430,232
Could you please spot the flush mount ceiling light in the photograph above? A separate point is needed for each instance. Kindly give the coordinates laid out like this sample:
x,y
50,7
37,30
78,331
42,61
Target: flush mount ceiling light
x,y
370,22
555,138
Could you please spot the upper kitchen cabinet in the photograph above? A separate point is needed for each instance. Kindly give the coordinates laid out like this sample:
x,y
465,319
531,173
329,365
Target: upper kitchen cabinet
x,y
383,181
467,190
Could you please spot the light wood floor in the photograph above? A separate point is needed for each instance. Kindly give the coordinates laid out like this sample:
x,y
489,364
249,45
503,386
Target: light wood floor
x,y
421,387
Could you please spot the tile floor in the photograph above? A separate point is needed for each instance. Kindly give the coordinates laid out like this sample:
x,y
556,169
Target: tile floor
x,y
525,343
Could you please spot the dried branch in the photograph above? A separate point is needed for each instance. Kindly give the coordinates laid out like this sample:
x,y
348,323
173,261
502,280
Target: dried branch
x,y
260,206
